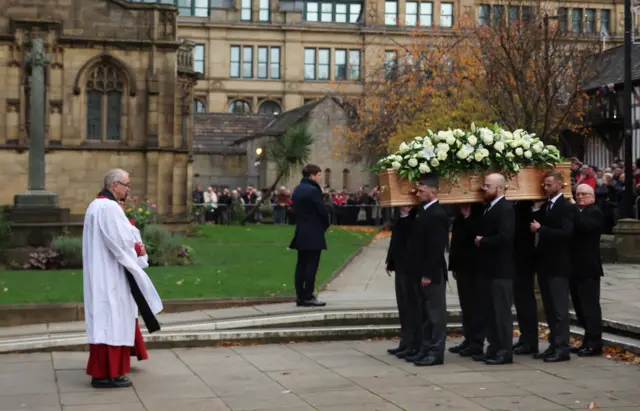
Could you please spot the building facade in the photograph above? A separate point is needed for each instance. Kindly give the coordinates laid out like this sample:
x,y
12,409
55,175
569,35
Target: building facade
x,y
118,93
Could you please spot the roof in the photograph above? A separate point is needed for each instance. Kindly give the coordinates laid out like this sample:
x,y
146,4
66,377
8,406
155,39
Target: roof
x,y
215,132
611,67
282,122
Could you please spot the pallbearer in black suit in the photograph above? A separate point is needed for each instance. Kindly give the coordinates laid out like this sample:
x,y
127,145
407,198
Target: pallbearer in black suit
x,y
497,269
426,247
406,295
463,264
587,270
524,295
554,221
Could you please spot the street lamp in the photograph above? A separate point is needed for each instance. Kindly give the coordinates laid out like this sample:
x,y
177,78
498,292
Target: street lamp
x,y
259,151
627,204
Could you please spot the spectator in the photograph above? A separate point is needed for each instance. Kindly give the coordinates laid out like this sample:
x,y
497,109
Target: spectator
x,y
210,204
587,176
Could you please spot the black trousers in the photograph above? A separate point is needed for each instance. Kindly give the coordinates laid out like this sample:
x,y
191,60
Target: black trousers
x,y
555,299
434,319
585,294
470,293
499,320
306,269
524,297
408,298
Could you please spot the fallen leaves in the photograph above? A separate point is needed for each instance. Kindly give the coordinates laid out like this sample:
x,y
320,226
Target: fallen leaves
x,y
592,405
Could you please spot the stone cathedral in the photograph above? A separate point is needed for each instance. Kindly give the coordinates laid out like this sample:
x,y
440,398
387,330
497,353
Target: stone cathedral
x,y
118,87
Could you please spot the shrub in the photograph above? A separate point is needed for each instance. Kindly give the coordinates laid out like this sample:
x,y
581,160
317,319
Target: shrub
x,y
165,248
142,212
44,259
70,250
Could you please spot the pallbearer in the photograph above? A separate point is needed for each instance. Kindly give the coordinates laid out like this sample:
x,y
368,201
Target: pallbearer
x,y
115,286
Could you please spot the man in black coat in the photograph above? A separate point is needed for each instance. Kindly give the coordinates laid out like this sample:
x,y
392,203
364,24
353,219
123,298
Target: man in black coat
x,y
524,295
497,269
406,296
554,222
312,221
587,270
463,264
427,265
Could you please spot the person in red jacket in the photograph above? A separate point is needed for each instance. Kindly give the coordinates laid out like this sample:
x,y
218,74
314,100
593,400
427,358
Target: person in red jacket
x,y
587,176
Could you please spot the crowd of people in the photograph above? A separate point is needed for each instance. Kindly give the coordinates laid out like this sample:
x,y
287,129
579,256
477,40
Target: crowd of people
x,y
496,250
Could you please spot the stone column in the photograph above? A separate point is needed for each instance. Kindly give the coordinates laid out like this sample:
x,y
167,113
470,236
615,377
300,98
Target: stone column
x,y
36,196
627,240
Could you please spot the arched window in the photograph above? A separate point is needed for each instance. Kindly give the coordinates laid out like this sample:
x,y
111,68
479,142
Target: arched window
x,y
327,177
239,107
345,179
104,92
270,107
199,106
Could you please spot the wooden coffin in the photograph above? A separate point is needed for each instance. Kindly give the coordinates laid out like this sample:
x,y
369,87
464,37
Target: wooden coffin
x,y
526,185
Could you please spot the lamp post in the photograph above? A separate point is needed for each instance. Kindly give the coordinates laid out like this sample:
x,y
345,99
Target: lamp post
x,y
259,152
627,201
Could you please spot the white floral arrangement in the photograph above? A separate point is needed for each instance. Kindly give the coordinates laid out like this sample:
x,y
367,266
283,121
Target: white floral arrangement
x,y
450,153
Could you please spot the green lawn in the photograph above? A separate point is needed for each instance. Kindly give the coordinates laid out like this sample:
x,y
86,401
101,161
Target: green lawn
x,y
232,261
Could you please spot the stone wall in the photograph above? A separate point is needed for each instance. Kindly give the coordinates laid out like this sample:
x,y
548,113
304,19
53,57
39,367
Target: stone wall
x,y
218,170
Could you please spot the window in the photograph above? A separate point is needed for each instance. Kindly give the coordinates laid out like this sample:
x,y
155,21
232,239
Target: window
x,y
498,15
239,107
341,13
247,61
327,177
354,12
245,12
324,64
104,93
264,10
390,63
526,14
576,21
354,65
311,13
263,62
275,63
391,13
514,15
411,14
446,14
198,58
589,21
199,106
270,107
426,14
341,65
234,69
326,12
345,179
563,19
333,11
484,15
347,65
309,64
198,8
605,25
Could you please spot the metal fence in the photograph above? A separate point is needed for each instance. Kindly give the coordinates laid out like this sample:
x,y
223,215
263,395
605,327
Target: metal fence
x,y
224,214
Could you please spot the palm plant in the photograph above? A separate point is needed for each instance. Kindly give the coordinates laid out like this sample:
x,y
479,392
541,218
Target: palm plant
x,y
288,152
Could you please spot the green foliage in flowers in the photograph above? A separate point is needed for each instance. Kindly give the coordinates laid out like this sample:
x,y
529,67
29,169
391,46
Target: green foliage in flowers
x,y
69,249
142,212
165,248
477,150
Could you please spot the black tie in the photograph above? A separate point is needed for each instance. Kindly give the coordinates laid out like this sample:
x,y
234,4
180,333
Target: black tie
x,y
487,208
549,206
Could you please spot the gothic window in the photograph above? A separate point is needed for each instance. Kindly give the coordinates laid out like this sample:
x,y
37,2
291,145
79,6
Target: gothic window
x,y
327,177
239,107
269,107
104,94
345,179
199,106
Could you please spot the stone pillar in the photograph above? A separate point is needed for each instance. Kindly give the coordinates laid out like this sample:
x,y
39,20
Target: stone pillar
x,y
627,240
36,196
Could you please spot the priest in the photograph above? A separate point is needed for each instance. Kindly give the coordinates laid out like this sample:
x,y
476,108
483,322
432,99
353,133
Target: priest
x,y
115,285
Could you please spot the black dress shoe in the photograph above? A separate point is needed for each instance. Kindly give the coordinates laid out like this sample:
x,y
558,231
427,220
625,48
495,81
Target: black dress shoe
x,y
419,354
457,348
546,353
499,360
525,349
394,351
518,344
429,361
481,356
120,382
311,303
470,351
406,353
590,352
558,356
575,350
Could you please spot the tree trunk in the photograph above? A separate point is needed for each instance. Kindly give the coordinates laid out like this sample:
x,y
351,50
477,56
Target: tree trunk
x,y
265,196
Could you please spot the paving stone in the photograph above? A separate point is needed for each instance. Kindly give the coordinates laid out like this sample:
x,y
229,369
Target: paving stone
x,y
200,404
581,398
136,406
518,403
272,400
304,380
70,360
18,378
342,397
30,402
96,397
494,389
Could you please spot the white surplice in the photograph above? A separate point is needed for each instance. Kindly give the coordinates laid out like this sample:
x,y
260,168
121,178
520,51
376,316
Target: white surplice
x,y
108,246
143,260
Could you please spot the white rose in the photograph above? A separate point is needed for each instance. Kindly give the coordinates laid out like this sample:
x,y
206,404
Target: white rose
x,y
508,135
443,147
444,135
499,146
517,135
516,168
412,162
509,155
485,152
538,147
487,139
526,145
528,154
478,156
403,147
545,151
442,155
398,158
419,138
395,165
451,140
428,152
473,140
458,133
424,168
462,154
515,143
519,151
416,145
434,162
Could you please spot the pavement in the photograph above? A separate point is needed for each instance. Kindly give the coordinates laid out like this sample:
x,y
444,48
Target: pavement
x,y
344,376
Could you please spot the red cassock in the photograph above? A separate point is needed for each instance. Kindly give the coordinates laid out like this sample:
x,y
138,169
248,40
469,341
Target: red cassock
x,y
108,361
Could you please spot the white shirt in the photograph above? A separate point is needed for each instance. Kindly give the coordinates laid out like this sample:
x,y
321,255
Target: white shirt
x,y
495,200
550,203
429,204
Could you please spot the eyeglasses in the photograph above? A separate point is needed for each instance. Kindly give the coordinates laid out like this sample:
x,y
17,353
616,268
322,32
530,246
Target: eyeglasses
x,y
583,194
128,185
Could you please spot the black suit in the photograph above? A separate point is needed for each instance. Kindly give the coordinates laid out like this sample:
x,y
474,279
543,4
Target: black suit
x,y
497,267
463,263
312,221
553,264
405,285
427,244
524,295
587,270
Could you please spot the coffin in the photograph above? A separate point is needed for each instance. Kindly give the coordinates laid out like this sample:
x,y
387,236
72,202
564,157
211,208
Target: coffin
x,y
526,185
